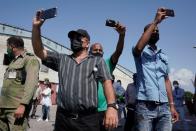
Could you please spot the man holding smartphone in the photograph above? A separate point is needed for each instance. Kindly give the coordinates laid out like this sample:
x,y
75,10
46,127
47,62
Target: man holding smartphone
x,y
155,106
96,49
78,76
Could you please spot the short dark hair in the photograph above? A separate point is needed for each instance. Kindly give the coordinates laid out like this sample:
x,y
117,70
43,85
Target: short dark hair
x,y
15,41
134,77
119,81
175,82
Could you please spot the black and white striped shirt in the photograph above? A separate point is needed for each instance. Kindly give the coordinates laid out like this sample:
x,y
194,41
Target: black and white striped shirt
x,y
77,82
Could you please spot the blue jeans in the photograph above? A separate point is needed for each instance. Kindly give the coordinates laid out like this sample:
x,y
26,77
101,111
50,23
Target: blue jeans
x,y
45,112
151,116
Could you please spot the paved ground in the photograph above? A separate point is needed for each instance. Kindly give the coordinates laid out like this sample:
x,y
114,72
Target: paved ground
x,y
49,126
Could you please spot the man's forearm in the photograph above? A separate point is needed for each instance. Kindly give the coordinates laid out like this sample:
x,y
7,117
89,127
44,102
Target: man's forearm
x,y
109,91
169,92
119,49
120,44
37,42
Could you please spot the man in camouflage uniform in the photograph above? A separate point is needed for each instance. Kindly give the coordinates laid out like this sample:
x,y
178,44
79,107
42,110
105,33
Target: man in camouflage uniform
x,y
20,80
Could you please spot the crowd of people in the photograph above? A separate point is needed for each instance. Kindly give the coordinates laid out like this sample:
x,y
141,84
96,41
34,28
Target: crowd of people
x,y
88,97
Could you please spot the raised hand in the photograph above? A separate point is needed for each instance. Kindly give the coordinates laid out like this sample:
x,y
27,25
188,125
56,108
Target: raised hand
x,y
121,29
37,21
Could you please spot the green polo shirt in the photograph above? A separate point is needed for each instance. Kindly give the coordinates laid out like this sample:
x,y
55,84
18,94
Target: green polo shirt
x,y
102,103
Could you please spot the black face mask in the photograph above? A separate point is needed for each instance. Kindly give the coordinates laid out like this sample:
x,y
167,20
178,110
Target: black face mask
x,y
76,45
154,38
97,54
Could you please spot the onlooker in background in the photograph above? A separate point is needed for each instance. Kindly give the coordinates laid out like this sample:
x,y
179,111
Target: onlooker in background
x,y
130,99
19,84
36,100
111,62
120,95
78,77
153,112
46,101
178,94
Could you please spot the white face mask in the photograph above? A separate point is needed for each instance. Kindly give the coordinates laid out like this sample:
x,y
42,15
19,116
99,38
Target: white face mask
x,y
175,85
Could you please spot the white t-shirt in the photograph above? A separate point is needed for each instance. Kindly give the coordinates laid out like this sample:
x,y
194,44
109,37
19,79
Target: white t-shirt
x,y
46,97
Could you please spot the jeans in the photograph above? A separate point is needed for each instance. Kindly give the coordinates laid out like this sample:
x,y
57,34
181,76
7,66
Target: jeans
x,y
45,112
152,116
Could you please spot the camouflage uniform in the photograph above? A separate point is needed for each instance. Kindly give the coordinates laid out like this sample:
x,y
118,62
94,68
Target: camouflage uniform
x,y
20,80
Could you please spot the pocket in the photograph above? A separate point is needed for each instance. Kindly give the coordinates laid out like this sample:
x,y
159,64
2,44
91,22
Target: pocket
x,y
141,107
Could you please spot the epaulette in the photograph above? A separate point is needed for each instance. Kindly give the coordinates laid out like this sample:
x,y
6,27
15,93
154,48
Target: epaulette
x,y
30,54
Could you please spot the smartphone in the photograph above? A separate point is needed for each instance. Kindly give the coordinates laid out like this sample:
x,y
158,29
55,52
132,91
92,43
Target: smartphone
x,y
110,23
170,12
49,13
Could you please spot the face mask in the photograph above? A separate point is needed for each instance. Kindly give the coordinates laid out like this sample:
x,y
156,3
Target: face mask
x,y
10,53
97,54
76,45
154,38
175,86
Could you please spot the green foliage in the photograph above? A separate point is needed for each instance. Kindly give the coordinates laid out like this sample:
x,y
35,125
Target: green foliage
x,y
188,96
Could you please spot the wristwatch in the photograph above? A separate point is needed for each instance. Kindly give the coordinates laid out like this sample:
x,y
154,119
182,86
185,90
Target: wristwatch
x,y
114,105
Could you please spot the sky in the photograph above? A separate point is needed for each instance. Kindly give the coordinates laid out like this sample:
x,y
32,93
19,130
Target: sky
x,y
177,35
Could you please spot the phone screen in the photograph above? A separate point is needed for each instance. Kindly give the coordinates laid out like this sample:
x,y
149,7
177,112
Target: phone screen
x,y
49,13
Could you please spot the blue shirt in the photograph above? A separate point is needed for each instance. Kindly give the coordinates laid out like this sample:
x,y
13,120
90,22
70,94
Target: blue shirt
x,y
178,94
152,69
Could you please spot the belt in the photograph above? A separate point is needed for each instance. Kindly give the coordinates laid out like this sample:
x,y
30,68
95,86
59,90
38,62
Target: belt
x,y
76,115
151,102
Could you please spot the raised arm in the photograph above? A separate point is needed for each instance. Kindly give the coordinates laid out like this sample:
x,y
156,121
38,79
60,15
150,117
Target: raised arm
x,y
36,37
143,41
119,47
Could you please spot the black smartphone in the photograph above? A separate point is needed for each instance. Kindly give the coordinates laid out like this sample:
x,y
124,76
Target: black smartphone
x,y
49,13
110,23
170,12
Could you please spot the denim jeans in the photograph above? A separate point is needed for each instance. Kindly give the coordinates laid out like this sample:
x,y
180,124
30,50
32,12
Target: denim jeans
x,y
45,112
153,117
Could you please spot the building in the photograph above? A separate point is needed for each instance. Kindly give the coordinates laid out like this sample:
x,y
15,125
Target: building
x,y
7,30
